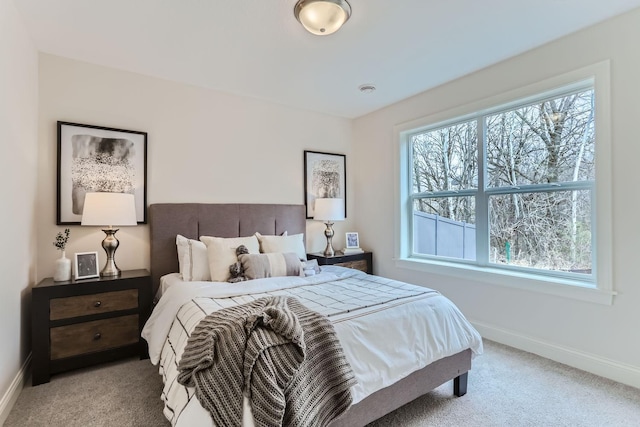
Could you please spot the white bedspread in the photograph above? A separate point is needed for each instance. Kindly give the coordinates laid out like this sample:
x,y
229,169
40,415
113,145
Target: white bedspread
x,y
388,329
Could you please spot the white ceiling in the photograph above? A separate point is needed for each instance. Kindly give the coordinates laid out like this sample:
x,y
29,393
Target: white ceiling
x,y
257,48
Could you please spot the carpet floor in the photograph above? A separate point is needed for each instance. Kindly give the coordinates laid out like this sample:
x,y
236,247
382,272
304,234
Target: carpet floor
x,y
507,387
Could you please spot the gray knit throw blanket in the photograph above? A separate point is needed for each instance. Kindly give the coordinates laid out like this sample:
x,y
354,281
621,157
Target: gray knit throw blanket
x,y
283,356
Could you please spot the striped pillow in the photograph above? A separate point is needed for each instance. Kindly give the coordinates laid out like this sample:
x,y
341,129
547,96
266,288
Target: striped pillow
x,y
258,266
192,259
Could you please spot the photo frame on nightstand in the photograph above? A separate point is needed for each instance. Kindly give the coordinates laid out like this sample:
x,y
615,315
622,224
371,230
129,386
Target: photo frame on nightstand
x,y
86,265
352,239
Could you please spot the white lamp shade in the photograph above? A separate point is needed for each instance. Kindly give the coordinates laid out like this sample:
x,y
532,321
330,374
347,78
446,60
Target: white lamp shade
x,y
322,17
329,210
108,209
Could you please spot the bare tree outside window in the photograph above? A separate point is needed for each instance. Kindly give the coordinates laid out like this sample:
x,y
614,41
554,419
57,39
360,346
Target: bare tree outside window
x,y
537,187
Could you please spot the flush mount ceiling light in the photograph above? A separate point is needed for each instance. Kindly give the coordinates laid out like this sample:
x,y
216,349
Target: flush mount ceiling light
x,y
322,17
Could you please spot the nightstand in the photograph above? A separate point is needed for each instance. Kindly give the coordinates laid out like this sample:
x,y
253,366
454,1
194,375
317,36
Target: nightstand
x,y
78,323
362,261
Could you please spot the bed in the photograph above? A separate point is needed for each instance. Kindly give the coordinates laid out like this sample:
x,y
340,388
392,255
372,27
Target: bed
x,y
434,366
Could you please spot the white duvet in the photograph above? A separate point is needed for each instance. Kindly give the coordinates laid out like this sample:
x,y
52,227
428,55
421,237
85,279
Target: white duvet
x,y
384,341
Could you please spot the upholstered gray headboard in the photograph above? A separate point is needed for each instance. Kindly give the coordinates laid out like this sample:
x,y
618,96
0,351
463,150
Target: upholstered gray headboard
x,y
193,220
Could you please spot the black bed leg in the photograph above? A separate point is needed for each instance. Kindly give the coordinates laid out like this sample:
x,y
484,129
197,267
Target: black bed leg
x,y
460,384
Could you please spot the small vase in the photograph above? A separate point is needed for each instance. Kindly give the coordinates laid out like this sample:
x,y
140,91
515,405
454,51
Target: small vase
x,y
63,269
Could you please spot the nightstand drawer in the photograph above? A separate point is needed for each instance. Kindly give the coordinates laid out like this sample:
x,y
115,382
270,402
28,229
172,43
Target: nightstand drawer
x,y
88,337
84,305
361,265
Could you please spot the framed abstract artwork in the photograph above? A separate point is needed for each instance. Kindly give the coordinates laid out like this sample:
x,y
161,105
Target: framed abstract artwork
x,y
325,176
93,159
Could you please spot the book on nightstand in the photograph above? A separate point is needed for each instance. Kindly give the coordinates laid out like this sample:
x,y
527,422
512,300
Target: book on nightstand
x,y
349,251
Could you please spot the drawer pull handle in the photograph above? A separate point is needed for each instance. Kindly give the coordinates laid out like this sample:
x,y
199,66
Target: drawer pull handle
x,y
97,304
97,336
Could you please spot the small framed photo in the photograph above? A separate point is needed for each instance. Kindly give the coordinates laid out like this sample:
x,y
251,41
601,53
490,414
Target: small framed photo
x,y
352,240
86,265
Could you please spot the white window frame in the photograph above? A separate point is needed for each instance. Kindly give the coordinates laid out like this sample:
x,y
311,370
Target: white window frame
x,y
598,289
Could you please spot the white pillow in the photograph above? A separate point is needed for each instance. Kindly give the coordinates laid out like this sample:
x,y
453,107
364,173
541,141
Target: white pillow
x,y
284,243
193,260
221,253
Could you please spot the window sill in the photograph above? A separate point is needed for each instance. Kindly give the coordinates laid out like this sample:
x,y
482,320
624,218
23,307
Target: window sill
x,y
547,285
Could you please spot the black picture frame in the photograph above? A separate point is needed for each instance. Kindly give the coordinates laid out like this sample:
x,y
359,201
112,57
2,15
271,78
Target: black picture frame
x,y
86,265
99,159
325,175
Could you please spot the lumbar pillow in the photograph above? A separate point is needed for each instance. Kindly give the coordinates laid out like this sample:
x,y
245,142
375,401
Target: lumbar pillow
x,y
258,266
221,253
284,243
192,259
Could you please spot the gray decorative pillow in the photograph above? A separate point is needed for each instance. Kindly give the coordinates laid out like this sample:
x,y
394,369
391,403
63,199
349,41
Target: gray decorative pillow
x,y
258,266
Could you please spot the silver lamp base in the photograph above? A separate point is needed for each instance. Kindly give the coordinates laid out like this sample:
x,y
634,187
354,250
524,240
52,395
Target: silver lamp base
x,y
110,244
328,232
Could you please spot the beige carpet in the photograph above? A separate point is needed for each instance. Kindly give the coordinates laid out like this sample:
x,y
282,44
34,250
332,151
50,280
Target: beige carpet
x,y
507,387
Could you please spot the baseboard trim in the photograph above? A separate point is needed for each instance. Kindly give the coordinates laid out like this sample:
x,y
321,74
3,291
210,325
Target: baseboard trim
x,y
608,368
10,397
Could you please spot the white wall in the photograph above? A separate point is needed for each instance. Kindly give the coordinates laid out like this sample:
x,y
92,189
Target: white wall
x,y
18,154
203,146
602,339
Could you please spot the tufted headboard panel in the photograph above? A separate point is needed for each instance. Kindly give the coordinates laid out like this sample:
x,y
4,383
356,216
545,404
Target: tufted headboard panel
x,y
192,220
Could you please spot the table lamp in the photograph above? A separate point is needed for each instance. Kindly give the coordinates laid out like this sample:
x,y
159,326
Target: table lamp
x,y
329,210
109,209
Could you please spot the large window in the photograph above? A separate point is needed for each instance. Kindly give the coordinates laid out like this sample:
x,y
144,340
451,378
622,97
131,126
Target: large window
x,y
510,187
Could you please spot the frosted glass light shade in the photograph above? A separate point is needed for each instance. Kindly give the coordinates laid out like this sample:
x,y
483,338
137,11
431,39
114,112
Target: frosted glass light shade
x,y
109,209
322,17
329,210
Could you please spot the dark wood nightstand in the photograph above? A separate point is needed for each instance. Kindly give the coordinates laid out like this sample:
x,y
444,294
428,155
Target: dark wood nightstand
x,y
83,322
362,261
